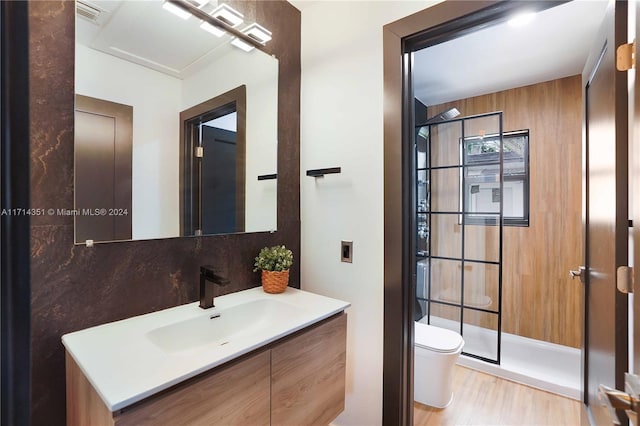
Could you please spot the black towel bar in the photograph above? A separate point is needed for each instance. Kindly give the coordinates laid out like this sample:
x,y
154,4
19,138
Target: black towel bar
x,y
322,172
267,177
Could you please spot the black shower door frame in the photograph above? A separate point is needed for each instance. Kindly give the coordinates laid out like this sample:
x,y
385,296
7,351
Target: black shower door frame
x,y
462,214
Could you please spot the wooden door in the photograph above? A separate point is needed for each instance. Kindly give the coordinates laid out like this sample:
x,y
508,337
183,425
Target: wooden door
x,y
606,214
222,198
103,170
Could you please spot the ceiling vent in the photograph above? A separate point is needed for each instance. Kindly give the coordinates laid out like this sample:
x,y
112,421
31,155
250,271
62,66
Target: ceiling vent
x,y
89,12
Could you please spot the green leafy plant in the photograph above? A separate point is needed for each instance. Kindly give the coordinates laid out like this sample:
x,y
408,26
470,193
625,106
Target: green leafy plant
x,y
276,258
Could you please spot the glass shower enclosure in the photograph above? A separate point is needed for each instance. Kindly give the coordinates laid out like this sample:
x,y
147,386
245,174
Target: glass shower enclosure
x,y
459,219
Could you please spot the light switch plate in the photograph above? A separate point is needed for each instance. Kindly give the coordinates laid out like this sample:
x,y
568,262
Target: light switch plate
x,y
346,251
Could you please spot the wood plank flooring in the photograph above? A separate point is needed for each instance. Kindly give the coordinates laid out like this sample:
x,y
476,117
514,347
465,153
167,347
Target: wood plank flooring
x,y
482,399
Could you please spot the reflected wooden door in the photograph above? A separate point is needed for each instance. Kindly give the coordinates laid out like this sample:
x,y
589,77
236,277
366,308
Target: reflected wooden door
x,y
606,215
218,182
103,170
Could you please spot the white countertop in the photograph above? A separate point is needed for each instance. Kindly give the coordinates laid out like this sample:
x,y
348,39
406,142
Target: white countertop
x,y
125,363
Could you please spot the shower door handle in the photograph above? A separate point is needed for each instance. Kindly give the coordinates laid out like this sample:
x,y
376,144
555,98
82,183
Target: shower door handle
x,y
580,273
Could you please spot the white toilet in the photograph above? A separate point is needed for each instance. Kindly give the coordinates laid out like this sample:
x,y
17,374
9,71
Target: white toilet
x,y
436,352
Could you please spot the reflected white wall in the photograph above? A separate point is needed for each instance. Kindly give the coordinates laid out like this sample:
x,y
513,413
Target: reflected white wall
x,y
155,98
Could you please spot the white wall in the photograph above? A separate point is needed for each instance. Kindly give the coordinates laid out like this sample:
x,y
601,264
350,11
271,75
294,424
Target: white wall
x,y
156,109
342,125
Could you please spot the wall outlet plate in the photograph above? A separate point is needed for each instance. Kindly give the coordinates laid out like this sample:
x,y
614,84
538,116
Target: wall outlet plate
x,y
346,251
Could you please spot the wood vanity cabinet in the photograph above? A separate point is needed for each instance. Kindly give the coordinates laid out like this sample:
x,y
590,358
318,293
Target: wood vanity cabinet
x,y
237,394
298,380
308,375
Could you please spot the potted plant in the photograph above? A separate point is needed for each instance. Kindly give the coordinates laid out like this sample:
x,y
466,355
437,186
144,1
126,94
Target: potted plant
x,y
274,262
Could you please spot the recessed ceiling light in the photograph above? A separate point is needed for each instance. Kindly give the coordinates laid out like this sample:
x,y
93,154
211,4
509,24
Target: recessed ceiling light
x,y
176,10
521,19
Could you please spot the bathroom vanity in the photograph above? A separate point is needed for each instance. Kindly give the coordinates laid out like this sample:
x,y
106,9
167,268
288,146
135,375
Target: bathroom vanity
x,y
255,359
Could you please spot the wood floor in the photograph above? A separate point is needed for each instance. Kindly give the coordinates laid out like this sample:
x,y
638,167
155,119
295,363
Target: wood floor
x,y
482,399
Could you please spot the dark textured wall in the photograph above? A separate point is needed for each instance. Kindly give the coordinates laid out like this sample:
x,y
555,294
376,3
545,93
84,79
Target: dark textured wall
x,y
74,287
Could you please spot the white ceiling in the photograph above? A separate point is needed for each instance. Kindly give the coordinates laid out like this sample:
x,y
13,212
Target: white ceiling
x,y
302,4
556,44
144,33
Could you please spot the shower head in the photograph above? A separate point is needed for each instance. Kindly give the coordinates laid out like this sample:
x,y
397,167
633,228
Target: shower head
x,y
444,116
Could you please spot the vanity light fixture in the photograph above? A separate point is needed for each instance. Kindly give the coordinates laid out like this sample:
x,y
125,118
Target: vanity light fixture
x,y
222,20
212,29
226,14
181,12
240,44
256,32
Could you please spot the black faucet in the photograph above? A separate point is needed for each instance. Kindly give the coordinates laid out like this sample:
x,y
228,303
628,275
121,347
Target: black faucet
x,y
209,276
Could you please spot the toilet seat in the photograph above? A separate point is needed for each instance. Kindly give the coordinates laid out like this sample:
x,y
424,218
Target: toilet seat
x,y
437,339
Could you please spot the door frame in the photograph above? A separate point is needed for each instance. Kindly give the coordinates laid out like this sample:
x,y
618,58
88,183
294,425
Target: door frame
x,y
15,245
634,188
188,184
428,27
621,256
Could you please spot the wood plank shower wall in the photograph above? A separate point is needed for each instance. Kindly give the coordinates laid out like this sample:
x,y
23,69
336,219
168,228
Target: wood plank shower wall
x,y
540,301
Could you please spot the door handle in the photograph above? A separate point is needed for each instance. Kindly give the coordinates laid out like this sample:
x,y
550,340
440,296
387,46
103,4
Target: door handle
x,y
580,273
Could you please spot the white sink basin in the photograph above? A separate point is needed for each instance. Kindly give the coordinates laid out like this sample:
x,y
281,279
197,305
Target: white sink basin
x,y
129,360
222,326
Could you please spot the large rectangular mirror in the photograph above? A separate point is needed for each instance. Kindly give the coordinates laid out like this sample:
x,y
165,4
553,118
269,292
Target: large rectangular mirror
x,y
176,128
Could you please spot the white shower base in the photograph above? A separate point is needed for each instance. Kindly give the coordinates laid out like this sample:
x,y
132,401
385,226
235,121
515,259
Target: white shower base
x,y
543,365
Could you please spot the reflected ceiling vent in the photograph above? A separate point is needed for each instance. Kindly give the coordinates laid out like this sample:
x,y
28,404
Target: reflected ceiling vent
x,y
89,12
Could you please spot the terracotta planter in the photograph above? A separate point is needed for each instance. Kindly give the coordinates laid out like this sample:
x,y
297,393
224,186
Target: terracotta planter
x,y
275,281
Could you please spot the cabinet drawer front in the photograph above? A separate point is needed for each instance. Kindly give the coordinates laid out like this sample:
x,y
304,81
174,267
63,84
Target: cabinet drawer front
x,y
308,375
236,395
